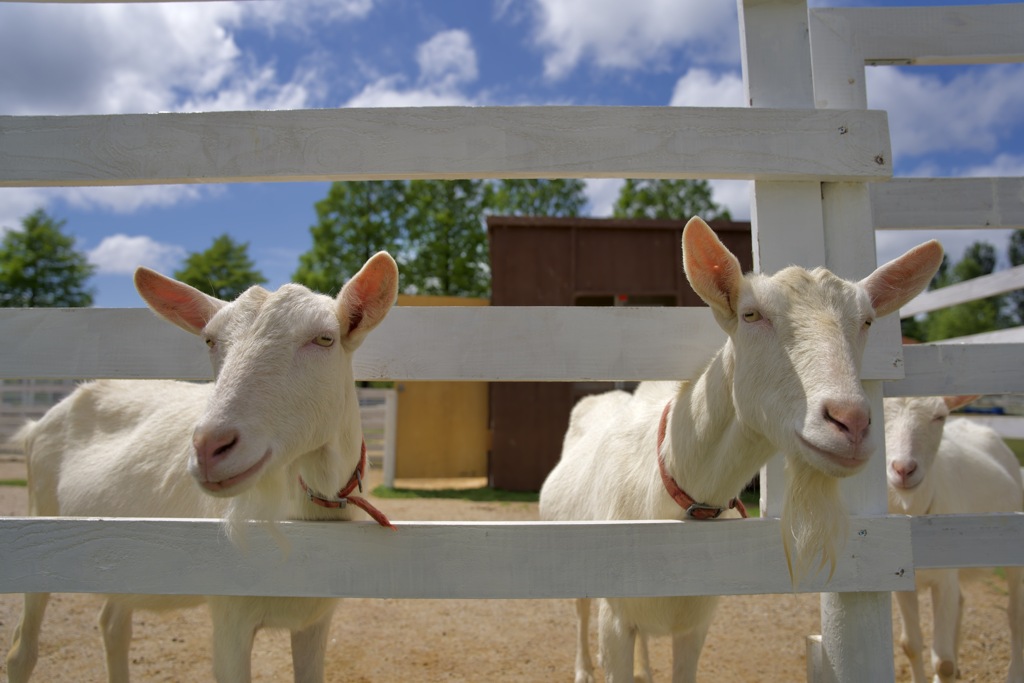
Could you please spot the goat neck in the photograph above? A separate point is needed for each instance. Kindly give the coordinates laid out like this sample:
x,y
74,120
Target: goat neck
x,y
707,449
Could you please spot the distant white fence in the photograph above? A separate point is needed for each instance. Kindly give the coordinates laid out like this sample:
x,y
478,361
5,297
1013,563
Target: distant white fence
x,y
811,148
378,409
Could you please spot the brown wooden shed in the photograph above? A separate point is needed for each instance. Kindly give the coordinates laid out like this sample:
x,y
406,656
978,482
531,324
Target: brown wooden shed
x,y
537,261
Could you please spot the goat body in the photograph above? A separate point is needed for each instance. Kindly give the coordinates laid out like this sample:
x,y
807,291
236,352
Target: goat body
x,y
283,405
937,465
786,380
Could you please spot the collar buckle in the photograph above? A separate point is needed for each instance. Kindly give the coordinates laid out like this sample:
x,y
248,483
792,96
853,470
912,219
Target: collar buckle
x,y
700,511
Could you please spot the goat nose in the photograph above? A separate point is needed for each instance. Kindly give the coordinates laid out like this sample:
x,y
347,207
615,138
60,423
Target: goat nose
x,y
214,444
904,468
851,419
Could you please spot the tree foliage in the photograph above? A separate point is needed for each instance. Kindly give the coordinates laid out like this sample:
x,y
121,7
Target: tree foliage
x,y
533,197
667,199
40,267
354,222
434,228
973,317
447,244
224,270
1015,300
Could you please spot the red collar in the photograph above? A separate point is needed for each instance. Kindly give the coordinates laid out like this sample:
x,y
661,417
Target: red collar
x,y
694,510
342,498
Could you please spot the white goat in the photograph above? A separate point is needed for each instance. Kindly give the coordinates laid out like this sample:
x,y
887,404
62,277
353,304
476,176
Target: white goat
x,y
787,379
935,466
282,416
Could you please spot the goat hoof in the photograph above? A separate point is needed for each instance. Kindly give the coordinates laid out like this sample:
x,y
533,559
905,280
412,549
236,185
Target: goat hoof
x,y
946,669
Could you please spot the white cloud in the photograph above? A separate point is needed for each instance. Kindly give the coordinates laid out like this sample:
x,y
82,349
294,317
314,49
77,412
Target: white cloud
x,y
389,92
447,62
448,58
122,254
970,112
18,202
143,58
129,199
891,243
308,14
733,195
601,195
115,58
702,88
628,35
1003,165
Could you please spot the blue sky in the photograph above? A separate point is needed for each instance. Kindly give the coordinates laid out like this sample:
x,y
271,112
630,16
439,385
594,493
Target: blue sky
x,y
112,58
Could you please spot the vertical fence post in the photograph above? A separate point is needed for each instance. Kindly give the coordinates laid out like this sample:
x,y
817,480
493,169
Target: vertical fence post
x,y
785,218
390,436
856,638
791,224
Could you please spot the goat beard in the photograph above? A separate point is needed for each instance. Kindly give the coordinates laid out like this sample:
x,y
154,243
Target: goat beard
x,y
252,506
814,521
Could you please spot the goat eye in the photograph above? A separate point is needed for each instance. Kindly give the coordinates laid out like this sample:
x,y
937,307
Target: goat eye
x,y
211,342
324,340
752,316
868,322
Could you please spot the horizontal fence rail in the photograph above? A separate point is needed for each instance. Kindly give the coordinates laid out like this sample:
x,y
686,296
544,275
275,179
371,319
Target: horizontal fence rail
x,y
951,369
520,343
438,559
986,34
444,142
948,203
994,284
992,540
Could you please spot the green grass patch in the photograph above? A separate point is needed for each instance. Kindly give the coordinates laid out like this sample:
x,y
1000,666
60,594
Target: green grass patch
x,y
483,494
752,501
1017,446
13,482
486,494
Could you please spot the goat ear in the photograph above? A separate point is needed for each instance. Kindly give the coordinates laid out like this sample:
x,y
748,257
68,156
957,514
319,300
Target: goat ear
x,y
954,402
894,284
713,272
176,302
367,297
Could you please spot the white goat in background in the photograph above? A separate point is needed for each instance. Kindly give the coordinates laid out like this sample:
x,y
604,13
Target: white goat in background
x,y
281,417
937,465
787,379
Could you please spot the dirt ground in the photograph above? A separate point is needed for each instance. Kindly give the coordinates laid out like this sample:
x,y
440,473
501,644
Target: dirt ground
x,y
754,638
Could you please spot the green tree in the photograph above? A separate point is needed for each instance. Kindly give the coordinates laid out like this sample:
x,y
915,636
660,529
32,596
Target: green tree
x,y
434,228
39,266
354,221
224,270
447,243
973,317
673,199
1015,300
536,197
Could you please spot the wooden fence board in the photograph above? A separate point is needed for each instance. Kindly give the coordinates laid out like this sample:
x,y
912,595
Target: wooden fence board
x,y
444,142
999,282
521,343
993,540
948,203
983,34
436,560
951,369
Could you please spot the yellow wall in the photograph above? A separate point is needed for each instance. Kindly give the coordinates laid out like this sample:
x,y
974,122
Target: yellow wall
x,y
442,426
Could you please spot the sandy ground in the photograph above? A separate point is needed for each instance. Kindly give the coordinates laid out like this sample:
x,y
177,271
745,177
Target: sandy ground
x,y
754,638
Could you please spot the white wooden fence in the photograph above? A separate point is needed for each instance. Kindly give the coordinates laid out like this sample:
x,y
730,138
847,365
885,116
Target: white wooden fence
x,y
811,148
